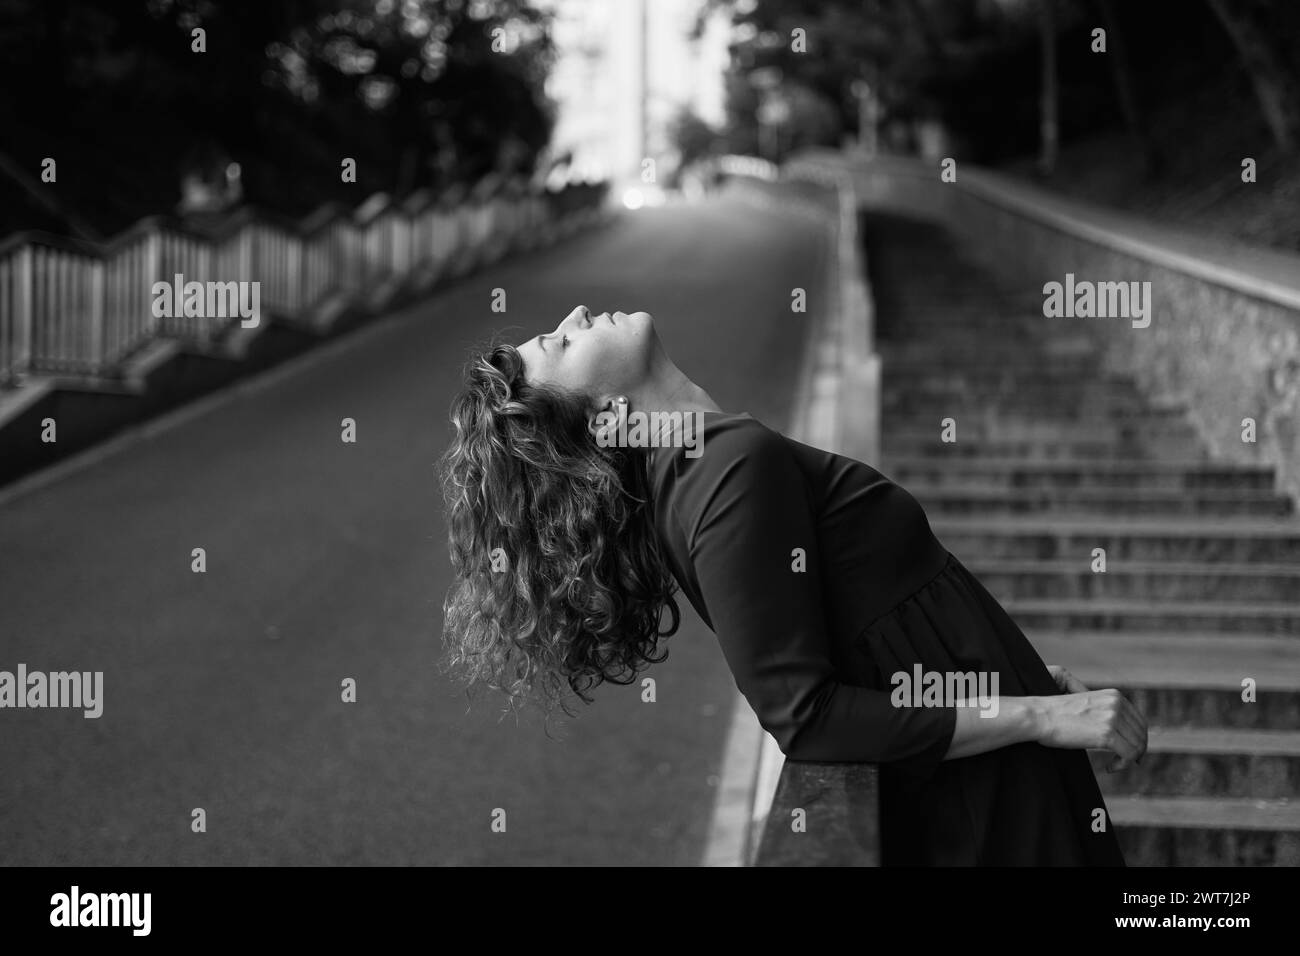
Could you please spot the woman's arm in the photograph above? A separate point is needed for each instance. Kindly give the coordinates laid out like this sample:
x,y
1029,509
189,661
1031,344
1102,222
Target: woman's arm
x,y
1078,720
743,509
1016,720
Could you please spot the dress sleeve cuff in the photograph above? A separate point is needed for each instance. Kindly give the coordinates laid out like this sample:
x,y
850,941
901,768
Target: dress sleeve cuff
x,y
921,765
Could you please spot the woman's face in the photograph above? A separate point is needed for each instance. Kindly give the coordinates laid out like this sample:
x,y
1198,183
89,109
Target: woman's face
x,y
599,355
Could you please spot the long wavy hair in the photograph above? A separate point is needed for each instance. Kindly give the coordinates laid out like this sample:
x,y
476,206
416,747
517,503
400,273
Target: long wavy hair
x,y
559,581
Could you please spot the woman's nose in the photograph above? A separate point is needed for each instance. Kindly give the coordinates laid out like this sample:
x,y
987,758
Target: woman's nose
x,y
579,314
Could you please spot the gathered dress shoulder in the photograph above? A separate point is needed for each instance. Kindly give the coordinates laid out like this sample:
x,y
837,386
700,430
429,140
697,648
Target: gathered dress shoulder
x,y
822,580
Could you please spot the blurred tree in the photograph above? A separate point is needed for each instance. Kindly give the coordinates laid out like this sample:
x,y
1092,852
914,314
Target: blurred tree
x,y
692,138
419,92
916,57
843,41
474,70
1049,123
1255,29
1126,90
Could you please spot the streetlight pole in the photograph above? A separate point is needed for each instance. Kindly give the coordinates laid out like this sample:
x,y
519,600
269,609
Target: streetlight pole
x,y
641,80
868,138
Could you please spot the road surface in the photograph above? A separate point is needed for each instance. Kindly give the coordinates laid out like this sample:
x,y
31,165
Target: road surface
x,y
327,560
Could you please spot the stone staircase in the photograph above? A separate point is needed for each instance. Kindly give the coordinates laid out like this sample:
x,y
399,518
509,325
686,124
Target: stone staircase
x,y
1054,457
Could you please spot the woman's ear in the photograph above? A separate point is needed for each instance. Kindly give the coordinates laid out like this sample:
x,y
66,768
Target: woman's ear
x,y
608,420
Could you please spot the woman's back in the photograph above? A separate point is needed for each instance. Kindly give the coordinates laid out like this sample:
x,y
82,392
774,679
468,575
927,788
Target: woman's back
x,y
867,528
824,582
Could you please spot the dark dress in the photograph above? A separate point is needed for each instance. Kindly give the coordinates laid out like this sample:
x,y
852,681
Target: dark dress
x,y
814,651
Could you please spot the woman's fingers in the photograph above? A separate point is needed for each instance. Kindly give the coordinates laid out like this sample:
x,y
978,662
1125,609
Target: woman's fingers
x,y
1129,736
1126,751
1138,724
1135,726
1126,746
1072,684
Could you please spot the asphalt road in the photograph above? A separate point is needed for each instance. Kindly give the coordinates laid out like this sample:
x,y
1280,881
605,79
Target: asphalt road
x,y
327,560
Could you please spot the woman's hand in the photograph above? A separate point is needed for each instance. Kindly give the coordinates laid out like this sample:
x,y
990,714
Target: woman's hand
x,y
1094,720
1068,683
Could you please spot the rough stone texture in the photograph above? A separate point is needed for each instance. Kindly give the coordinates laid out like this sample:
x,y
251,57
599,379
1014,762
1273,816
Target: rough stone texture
x,y
839,820
1221,353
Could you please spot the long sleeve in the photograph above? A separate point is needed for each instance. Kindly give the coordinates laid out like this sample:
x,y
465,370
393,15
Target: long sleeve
x,y
743,508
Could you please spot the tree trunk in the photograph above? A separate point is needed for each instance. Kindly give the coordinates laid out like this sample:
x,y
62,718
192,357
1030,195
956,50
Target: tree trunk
x,y
1049,126
1276,86
1126,90
55,52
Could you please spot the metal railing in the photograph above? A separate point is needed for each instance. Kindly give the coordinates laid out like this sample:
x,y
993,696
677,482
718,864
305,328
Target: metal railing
x,y
77,308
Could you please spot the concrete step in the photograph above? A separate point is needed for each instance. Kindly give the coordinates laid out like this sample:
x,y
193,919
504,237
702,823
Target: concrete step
x,y
897,391
1110,449
1046,432
1206,831
1147,581
1076,473
933,375
1187,679
1067,407
975,499
1271,540
1197,617
1099,614
1229,762
904,359
1007,379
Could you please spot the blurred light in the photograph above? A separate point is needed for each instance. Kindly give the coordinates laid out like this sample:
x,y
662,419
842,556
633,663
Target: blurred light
x,y
557,178
645,195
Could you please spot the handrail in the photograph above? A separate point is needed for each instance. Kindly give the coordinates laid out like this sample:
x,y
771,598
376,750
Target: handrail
x,y
1261,272
1220,337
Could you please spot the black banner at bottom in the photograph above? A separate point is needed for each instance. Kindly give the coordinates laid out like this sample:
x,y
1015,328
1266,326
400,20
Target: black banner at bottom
x,y
336,905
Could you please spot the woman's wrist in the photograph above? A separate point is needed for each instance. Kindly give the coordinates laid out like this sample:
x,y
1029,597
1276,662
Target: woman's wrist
x,y
1037,717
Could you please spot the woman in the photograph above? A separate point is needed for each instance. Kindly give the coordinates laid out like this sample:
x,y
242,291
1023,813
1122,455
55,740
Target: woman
x,y
820,577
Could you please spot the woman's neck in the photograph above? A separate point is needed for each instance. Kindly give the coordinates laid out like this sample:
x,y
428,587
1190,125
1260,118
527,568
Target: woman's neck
x,y
672,391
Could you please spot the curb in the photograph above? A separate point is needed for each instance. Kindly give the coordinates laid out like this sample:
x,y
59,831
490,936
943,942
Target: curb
x,y
828,414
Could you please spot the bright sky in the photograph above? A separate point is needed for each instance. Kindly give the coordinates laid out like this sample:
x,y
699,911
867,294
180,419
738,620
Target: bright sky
x,y
597,80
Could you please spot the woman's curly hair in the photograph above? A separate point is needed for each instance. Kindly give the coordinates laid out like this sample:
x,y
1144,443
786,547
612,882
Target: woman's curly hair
x,y
559,581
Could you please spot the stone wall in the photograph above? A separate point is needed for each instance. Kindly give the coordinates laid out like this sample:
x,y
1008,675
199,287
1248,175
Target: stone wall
x,y
1221,351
